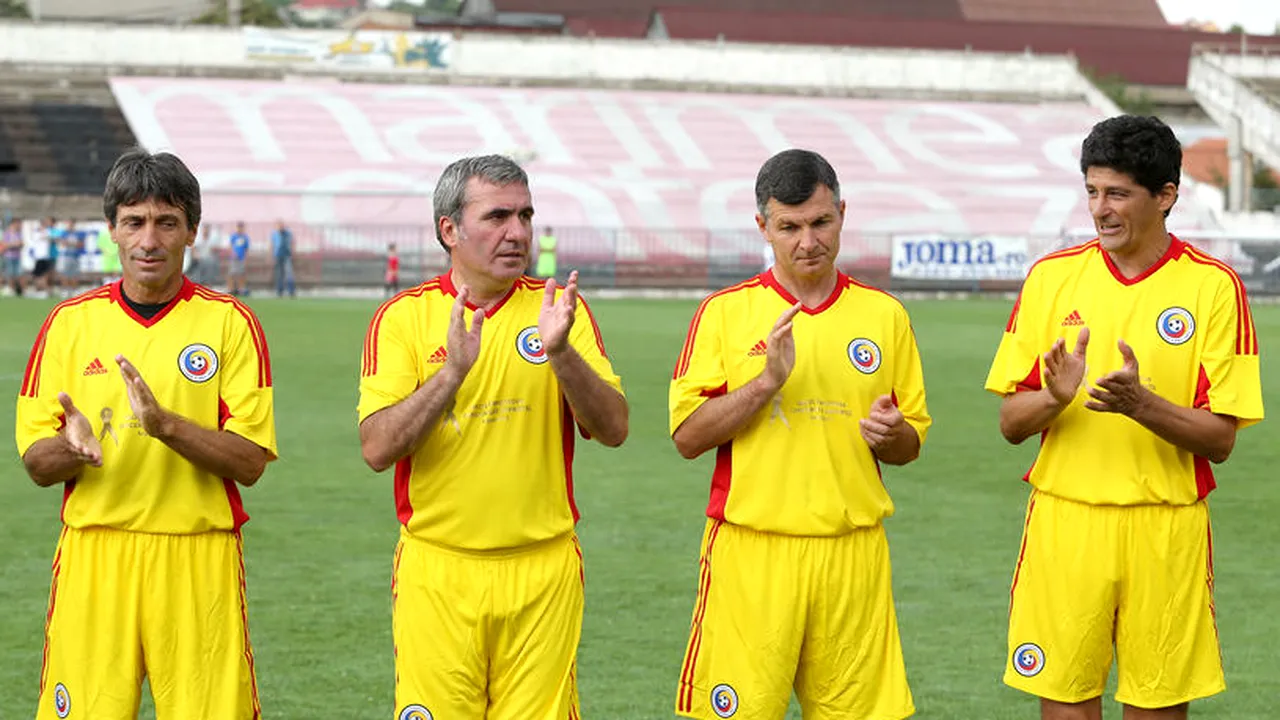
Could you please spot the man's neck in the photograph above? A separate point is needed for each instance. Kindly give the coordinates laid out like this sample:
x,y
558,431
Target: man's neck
x,y
1144,256
485,292
811,291
150,296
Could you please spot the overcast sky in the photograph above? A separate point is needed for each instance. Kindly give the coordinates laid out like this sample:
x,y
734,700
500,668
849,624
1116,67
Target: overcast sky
x,y
1257,16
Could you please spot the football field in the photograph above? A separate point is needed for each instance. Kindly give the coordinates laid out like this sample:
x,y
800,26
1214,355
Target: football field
x,y
319,546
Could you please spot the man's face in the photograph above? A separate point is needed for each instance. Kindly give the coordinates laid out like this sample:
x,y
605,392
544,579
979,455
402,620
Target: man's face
x,y
493,236
152,236
805,237
1124,212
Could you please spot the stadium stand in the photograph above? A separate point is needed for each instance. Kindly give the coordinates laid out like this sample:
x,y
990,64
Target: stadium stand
x,y
637,183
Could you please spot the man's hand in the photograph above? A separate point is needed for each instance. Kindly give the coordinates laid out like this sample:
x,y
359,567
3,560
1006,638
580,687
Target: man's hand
x,y
780,355
883,426
556,317
463,344
78,433
1064,372
155,420
1120,391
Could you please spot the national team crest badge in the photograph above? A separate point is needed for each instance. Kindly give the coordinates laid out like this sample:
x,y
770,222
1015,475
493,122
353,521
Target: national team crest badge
x,y
529,345
61,700
724,700
865,355
198,362
415,712
1176,325
1028,659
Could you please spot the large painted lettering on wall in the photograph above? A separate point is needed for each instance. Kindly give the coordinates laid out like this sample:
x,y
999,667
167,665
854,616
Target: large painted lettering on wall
x,y
680,163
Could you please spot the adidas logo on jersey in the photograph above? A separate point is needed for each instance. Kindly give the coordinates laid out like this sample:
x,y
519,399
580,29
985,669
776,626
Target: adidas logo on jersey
x,y
439,356
1073,319
760,349
95,368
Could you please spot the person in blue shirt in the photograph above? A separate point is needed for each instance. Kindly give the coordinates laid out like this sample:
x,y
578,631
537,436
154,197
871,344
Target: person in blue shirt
x,y
235,268
282,252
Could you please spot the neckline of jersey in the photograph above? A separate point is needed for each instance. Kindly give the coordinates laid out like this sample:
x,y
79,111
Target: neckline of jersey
x,y
1175,249
768,279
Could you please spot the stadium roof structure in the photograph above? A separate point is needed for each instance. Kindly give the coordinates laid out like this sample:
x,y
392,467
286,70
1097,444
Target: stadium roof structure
x,y
1123,13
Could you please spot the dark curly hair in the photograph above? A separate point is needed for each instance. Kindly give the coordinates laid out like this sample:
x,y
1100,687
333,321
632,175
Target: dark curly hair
x,y
1142,147
139,176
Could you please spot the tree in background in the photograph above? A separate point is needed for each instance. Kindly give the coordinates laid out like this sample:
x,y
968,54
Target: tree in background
x,y
262,13
13,9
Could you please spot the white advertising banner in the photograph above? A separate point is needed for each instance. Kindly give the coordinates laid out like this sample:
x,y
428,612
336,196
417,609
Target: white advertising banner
x,y
982,257
381,49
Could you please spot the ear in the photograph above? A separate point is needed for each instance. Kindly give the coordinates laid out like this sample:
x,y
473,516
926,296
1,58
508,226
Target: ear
x,y
841,208
448,232
1167,197
761,222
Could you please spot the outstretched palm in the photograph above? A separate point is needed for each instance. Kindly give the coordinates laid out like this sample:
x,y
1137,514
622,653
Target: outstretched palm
x,y
557,315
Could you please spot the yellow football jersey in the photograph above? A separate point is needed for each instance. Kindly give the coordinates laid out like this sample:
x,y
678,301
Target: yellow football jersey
x,y
497,471
204,356
801,467
1187,319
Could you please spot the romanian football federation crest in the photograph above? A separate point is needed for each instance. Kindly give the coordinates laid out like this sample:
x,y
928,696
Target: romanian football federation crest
x,y
1028,659
724,700
1176,325
529,345
415,712
865,355
61,700
198,362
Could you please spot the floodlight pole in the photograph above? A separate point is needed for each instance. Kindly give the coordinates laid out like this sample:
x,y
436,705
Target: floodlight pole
x,y
233,13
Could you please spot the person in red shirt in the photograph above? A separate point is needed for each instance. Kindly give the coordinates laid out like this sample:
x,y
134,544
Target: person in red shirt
x,y
391,283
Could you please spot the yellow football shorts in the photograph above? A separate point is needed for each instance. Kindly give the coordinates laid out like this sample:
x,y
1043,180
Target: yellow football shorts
x,y
777,612
128,605
1138,579
487,634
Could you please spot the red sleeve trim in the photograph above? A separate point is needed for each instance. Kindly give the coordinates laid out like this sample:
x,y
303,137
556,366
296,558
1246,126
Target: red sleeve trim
x,y
369,360
1202,391
256,333
1032,380
1246,337
594,327
686,353
31,378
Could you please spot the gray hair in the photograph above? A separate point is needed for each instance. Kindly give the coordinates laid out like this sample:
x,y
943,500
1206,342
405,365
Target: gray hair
x,y
791,177
450,196
139,175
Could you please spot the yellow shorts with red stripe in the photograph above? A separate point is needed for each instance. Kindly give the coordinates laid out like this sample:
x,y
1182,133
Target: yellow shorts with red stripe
x,y
776,613
487,634
128,605
1096,578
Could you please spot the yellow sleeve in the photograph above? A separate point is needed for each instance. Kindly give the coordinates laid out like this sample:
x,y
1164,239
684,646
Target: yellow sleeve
x,y
908,377
389,368
246,392
1017,362
1229,362
700,372
39,415
586,339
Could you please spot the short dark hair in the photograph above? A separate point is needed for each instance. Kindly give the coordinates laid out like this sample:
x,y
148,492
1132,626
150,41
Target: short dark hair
x,y
791,177
1143,148
450,194
139,175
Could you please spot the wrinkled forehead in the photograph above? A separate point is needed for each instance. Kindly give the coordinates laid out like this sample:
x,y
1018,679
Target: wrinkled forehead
x,y
485,196
150,209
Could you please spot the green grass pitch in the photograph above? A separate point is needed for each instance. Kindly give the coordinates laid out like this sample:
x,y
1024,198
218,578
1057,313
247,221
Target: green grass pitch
x,y
319,546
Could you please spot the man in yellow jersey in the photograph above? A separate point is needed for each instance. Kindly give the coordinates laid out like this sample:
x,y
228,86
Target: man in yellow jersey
x,y
471,385
1133,357
802,381
149,400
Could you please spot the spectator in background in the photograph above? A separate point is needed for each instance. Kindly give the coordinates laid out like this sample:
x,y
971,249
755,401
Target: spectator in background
x,y
111,268
45,253
392,280
282,253
11,251
239,254
70,250
546,254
